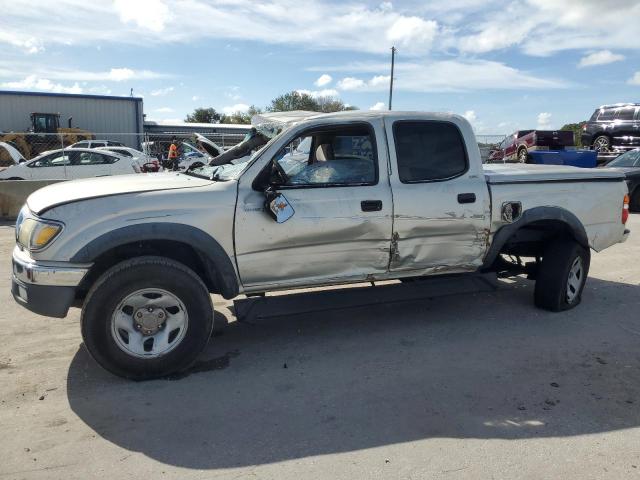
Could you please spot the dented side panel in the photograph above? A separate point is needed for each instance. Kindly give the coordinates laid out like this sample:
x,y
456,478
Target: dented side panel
x,y
433,231
329,237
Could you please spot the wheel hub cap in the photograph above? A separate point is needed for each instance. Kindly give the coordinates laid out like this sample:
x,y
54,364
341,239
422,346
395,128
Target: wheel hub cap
x,y
149,323
575,279
149,320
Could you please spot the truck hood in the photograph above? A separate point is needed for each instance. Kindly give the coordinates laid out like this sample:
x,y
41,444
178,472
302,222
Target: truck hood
x,y
67,192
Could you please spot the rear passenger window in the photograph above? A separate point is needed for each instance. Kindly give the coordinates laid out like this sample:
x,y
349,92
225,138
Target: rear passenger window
x,y
429,151
625,113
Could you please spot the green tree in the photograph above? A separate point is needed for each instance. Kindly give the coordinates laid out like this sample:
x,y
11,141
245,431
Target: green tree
x,y
241,117
203,115
577,132
303,101
293,101
332,104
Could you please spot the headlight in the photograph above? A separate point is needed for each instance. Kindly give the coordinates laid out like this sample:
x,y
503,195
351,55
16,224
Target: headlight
x,y
35,234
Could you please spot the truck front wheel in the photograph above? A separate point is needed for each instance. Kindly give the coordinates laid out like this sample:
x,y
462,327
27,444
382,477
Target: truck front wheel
x,y
562,275
147,317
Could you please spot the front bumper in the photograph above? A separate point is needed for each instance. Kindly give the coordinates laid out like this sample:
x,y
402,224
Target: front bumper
x,y
44,288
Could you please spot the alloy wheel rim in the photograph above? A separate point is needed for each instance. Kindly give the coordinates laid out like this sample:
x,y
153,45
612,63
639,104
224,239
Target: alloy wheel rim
x,y
602,143
522,156
574,280
149,323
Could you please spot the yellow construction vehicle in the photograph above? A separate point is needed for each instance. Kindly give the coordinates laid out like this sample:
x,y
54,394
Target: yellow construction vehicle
x,y
44,134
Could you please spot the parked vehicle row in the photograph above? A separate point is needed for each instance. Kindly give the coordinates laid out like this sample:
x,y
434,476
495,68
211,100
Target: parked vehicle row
x,y
613,127
332,199
517,146
629,163
70,163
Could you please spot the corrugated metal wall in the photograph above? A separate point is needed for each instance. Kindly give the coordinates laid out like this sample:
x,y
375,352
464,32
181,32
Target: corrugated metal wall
x,y
111,118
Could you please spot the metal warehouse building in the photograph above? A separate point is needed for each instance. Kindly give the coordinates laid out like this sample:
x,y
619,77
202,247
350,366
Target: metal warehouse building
x,y
108,117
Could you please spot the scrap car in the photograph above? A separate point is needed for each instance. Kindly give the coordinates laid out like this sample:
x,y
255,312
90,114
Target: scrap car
x,y
327,199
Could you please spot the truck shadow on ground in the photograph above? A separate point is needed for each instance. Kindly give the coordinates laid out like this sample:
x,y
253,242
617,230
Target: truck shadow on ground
x,y
467,365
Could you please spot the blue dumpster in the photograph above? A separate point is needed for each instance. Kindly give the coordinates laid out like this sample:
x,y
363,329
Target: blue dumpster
x,y
576,158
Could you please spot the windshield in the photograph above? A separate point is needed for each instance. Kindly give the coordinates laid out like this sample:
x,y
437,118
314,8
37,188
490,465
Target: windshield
x,y
229,171
629,159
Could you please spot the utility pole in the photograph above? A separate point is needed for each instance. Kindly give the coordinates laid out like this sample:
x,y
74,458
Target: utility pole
x,y
393,57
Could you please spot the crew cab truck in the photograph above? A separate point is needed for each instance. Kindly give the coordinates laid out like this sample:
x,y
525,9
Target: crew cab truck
x,y
332,199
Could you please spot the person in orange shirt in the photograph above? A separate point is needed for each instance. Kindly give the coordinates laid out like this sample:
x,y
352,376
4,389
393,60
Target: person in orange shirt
x,y
173,154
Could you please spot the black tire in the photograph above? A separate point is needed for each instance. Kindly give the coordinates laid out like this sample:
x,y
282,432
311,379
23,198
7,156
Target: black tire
x,y
523,155
601,143
552,279
634,202
130,276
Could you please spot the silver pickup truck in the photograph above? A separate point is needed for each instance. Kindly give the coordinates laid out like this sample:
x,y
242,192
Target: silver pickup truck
x,y
332,199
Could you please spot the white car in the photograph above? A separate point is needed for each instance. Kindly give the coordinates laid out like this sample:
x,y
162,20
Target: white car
x,y
137,155
95,144
66,164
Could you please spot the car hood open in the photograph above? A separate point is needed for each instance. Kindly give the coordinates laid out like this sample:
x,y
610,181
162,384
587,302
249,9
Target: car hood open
x,y
15,155
67,192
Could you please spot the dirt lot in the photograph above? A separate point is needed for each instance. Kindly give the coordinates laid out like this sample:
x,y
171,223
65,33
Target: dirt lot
x,y
401,381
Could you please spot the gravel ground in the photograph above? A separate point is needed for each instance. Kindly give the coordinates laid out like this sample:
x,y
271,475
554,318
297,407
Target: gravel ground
x,y
439,380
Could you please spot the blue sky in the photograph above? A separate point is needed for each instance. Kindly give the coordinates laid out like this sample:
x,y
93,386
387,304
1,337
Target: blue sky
x,y
502,64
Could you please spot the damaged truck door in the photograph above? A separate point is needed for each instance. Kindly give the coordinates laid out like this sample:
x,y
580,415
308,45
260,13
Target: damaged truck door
x,y
441,199
327,190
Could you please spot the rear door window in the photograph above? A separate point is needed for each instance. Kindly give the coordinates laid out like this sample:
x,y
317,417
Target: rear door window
x,y
429,151
625,114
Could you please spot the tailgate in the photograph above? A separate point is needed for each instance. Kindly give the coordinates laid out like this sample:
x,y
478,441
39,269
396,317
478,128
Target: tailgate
x,y
554,139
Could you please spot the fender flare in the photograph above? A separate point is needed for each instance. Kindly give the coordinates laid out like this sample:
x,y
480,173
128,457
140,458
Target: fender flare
x,y
218,265
536,214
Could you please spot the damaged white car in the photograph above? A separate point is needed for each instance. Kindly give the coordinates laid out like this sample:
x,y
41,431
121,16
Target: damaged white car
x,y
332,199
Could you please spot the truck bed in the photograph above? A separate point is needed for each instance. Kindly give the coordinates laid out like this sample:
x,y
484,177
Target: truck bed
x,y
519,173
593,195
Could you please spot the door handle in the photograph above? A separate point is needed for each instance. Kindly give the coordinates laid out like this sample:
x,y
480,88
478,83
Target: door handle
x,y
466,198
371,205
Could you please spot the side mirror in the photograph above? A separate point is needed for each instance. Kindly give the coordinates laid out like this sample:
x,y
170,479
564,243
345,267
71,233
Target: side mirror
x,y
277,206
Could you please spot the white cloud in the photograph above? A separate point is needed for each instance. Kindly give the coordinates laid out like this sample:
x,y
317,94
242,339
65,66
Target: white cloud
x,y
351,83
544,121
323,80
378,106
351,26
470,115
238,107
164,110
195,98
33,82
151,15
448,76
120,74
161,92
327,92
412,33
543,27
635,80
27,44
602,57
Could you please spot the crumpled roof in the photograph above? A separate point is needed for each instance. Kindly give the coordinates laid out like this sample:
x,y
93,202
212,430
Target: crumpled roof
x,y
272,123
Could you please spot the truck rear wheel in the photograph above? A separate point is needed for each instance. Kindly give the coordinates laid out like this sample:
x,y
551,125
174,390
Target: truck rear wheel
x,y
562,275
523,155
147,317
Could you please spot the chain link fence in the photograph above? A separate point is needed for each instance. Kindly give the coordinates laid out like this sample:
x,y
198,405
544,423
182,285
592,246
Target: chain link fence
x,y
26,145
21,146
486,143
